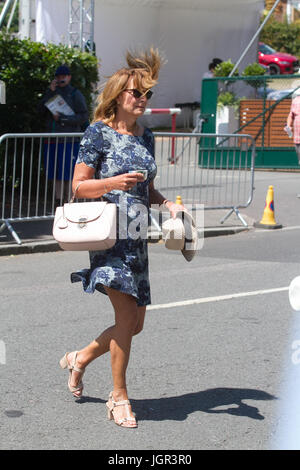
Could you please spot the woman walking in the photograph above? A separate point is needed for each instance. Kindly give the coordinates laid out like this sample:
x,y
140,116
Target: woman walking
x,y
115,155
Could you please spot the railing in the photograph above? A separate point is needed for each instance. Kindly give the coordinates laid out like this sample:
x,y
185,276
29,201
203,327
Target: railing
x,y
214,170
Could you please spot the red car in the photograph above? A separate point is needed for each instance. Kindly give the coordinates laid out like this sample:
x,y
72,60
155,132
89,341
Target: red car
x,y
278,62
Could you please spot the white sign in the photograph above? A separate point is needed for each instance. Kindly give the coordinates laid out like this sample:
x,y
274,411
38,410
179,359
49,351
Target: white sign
x,y
58,105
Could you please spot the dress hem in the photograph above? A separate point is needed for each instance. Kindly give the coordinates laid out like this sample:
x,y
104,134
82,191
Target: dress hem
x,y
75,277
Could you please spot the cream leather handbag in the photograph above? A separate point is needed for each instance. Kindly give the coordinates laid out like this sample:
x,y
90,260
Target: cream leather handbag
x,y
85,226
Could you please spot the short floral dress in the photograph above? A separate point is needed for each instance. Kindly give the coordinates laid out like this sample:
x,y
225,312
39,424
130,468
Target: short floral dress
x,y
123,267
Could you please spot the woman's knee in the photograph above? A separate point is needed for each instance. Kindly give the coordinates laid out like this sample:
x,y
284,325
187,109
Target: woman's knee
x,y
139,327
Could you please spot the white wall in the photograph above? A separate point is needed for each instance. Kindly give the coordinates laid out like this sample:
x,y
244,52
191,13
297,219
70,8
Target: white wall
x,y
189,32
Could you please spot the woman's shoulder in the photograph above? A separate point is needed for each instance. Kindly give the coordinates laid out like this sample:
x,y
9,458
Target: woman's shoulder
x,y
94,135
97,129
97,125
147,133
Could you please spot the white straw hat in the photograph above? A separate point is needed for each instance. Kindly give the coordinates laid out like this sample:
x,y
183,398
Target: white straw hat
x,y
181,234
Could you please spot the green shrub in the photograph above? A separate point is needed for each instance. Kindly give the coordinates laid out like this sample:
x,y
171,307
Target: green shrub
x,y
27,68
224,69
228,98
254,70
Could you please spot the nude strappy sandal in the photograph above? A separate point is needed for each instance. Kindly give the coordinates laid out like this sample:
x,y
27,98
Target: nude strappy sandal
x,y
77,391
123,422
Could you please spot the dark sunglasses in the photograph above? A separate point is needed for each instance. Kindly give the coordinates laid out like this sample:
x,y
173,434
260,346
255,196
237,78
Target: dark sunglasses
x,y
137,94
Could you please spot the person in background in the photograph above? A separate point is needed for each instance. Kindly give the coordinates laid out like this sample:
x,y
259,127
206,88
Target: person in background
x,y
293,123
211,68
210,73
61,154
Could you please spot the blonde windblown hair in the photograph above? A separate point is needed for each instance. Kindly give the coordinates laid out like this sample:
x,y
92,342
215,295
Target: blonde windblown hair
x,y
143,67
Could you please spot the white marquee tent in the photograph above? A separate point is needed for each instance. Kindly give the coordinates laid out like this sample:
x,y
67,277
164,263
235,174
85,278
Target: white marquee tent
x,y
189,32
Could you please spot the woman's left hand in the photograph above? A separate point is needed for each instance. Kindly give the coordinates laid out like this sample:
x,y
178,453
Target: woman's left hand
x,y
174,208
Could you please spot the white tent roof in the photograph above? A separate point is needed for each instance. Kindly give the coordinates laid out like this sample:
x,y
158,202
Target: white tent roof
x,y
189,32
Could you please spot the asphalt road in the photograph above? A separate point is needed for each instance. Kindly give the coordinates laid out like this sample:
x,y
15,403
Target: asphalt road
x,y
203,375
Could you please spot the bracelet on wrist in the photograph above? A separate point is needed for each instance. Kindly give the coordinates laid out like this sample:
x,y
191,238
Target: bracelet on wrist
x,y
105,188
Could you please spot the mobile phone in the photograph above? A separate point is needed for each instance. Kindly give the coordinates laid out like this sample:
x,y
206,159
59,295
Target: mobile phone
x,y
144,173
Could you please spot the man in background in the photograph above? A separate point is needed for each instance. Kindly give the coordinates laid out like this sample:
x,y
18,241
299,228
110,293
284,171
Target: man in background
x,y
63,109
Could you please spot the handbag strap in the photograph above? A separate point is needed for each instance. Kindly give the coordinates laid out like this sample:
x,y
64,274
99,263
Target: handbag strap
x,y
74,193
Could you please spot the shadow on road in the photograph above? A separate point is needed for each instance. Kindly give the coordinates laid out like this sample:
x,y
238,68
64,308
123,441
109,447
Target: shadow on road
x,y
214,400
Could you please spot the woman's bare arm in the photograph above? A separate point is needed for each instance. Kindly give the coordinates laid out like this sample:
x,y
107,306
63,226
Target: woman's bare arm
x,y
155,197
95,188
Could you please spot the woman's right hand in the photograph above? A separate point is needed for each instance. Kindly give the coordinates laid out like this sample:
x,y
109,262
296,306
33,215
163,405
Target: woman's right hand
x,y
126,181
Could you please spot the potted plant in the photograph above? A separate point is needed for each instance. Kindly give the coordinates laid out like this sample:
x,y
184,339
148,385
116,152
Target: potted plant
x,y
227,117
225,68
255,71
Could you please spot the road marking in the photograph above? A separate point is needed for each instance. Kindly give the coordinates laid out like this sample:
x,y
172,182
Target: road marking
x,y
218,298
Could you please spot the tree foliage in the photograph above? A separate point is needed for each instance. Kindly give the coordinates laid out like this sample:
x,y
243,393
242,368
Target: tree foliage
x,y
282,37
27,68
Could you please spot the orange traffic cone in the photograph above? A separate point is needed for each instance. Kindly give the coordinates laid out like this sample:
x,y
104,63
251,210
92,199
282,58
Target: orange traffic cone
x,y
268,218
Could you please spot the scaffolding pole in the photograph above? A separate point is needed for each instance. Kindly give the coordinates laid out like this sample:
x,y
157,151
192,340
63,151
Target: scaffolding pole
x,y
253,39
5,10
81,24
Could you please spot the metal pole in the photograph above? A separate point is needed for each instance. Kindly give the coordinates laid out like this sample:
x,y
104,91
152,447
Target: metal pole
x,y
254,37
70,24
92,27
11,15
5,11
81,25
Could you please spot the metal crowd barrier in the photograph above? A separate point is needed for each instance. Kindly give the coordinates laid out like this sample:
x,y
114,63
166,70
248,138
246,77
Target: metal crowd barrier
x,y
27,186
214,170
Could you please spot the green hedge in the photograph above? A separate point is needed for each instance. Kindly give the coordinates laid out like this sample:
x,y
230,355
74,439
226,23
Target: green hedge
x,y
282,37
27,68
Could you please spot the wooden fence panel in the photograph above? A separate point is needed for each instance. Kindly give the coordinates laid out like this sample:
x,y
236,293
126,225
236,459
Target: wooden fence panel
x,y
275,120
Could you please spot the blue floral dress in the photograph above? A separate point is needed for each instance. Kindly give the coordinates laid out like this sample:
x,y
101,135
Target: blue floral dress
x,y
123,267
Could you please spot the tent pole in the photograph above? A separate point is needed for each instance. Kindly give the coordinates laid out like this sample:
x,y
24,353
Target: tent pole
x,y
11,15
254,37
6,7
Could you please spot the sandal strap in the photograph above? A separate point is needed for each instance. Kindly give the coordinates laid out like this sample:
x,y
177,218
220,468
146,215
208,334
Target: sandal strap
x,y
120,403
74,367
78,388
126,420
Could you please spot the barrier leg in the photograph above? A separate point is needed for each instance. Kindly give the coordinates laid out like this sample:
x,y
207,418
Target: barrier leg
x,y
240,217
12,231
237,212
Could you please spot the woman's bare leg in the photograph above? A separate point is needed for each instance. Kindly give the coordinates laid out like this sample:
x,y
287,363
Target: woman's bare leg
x,y
129,320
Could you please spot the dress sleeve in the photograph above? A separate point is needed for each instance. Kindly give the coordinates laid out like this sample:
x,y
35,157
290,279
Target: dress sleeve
x,y
91,147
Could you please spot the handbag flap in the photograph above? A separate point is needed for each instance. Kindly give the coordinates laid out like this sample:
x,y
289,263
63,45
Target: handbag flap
x,y
83,211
